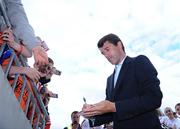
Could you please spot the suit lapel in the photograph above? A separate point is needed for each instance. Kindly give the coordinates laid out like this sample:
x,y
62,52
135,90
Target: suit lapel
x,y
122,72
111,87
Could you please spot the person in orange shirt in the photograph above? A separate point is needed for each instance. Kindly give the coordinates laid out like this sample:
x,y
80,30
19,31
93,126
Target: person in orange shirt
x,y
47,71
41,74
8,37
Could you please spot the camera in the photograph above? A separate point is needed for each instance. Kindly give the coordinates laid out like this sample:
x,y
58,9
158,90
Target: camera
x,y
53,95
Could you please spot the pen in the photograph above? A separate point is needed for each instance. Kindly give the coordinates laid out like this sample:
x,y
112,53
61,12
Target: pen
x,y
92,118
81,112
84,100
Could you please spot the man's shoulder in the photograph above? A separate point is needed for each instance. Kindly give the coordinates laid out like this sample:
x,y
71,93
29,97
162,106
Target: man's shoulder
x,y
140,58
13,1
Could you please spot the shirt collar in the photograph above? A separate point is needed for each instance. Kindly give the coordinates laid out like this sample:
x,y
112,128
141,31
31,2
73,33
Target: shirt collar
x,y
121,62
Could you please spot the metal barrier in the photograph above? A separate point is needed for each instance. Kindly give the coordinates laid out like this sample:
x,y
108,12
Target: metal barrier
x,y
34,107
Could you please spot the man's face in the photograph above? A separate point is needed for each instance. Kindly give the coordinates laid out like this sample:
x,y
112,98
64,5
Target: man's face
x,y
75,118
178,110
112,53
168,112
47,70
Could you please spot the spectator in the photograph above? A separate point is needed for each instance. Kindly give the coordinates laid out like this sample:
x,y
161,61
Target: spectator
x,y
8,37
23,29
108,125
85,125
172,121
32,73
163,119
177,107
29,72
75,120
46,71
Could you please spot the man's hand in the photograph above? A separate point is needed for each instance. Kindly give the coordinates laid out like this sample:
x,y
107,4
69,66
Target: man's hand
x,y
32,73
98,108
40,55
8,37
85,110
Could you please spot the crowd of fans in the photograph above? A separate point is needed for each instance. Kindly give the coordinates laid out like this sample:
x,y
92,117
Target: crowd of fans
x,y
40,74
17,34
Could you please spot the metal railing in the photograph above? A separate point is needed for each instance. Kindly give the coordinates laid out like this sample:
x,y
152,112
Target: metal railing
x,y
38,114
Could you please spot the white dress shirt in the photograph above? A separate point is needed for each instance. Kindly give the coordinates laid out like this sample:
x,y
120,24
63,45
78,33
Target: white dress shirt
x,y
117,70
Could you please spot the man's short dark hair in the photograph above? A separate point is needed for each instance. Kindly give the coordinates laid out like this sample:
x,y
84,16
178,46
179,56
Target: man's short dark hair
x,y
178,104
74,112
112,38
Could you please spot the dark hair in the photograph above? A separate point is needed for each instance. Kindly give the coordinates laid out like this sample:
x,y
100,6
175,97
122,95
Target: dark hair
x,y
74,112
178,104
50,60
112,38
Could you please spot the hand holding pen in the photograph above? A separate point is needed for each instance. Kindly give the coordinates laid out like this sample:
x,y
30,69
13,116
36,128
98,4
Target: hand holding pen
x,y
86,107
92,119
81,112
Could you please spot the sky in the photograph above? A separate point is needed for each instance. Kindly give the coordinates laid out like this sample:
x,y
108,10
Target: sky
x,y
72,28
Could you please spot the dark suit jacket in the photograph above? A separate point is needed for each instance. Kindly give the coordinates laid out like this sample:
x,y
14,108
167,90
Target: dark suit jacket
x,y
136,95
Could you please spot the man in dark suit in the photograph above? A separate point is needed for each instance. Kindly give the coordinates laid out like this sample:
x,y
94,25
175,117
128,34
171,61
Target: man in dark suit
x,y
132,92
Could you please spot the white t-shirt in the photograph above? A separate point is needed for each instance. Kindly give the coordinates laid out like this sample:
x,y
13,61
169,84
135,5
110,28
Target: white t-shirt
x,y
170,122
85,125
